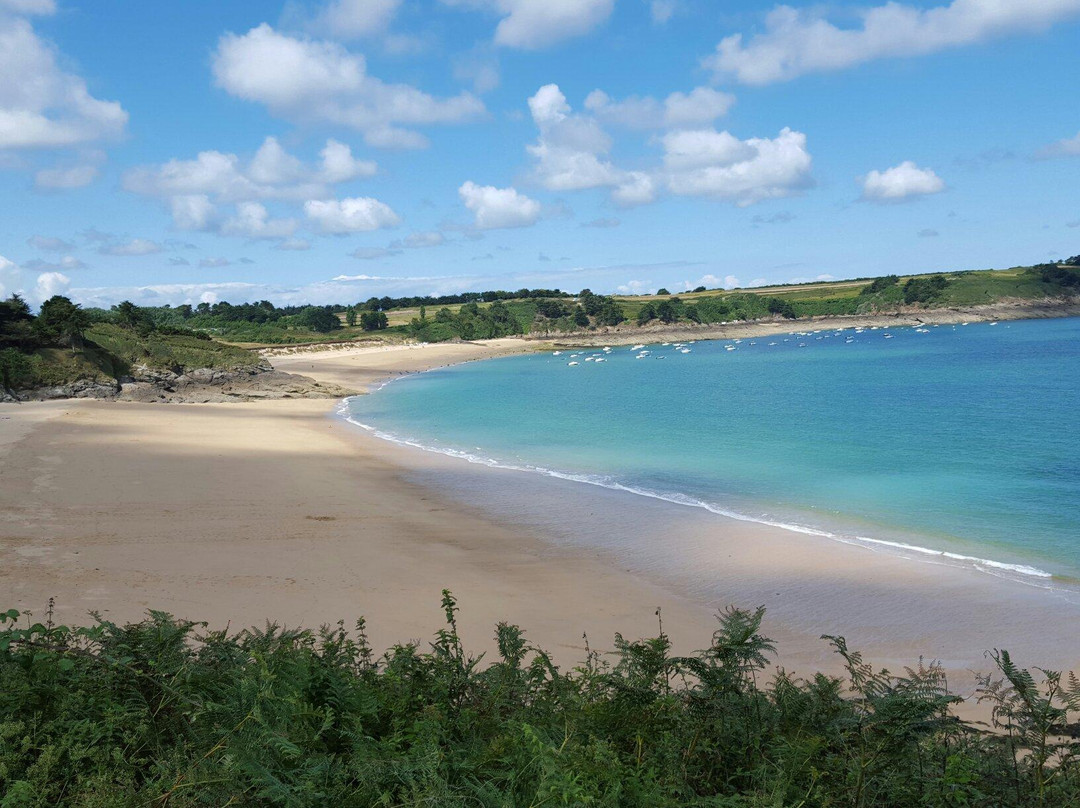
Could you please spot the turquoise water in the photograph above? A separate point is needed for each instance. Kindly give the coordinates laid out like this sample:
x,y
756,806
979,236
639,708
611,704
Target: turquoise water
x,y
958,440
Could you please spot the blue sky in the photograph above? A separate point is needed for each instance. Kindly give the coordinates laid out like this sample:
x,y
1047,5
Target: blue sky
x,y
334,150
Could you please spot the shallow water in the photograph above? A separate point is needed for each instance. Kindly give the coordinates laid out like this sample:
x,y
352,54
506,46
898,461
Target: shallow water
x,y
954,439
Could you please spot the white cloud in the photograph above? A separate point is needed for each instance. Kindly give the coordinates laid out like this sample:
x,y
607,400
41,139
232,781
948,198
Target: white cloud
x,y
137,246
272,173
797,41
214,263
252,220
1068,147
901,182
352,19
42,106
350,215
570,153
498,207
339,165
50,284
316,81
50,243
193,189
700,107
58,179
534,24
192,211
717,164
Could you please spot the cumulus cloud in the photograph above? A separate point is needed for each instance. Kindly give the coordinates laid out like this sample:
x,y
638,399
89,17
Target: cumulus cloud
x,y
252,220
62,179
1068,147
799,41
495,208
136,246
901,182
570,154
701,106
50,284
50,243
350,215
315,81
42,105
717,164
534,24
194,189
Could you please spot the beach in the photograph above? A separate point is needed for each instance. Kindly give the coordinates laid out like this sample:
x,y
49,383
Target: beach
x,y
279,510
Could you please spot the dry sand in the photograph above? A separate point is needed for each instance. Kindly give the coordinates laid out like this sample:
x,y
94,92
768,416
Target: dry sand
x,y
238,513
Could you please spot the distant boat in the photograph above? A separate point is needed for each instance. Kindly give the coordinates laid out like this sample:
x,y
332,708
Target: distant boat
x,y
684,350
588,359
637,347
601,359
571,364
557,353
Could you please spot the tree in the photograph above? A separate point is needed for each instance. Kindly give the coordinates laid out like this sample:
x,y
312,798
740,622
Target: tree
x,y
668,310
777,305
699,289
318,318
61,321
662,291
129,315
350,316
373,320
647,313
16,323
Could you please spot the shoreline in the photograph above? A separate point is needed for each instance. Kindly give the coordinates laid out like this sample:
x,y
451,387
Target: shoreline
x,y
272,510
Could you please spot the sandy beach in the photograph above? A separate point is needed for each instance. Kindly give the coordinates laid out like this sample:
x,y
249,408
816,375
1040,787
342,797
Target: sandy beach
x,y
238,513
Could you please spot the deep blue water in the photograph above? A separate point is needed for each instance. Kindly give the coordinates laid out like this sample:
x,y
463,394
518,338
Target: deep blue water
x,y
958,439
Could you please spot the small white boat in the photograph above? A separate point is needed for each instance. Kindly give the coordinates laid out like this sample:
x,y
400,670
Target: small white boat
x,y
571,364
557,353
684,350
589,359
601,359
637,347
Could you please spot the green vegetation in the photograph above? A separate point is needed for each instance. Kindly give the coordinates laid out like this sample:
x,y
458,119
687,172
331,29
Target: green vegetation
x,y
65,343
166,713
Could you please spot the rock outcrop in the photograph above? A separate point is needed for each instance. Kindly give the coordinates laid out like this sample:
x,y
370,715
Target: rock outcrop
x,y
201,385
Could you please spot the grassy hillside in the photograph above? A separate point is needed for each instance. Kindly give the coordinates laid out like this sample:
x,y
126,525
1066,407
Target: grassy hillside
x,y
166,713
108,352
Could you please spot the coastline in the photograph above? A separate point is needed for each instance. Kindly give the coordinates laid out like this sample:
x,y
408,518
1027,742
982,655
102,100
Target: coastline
x,y
236,513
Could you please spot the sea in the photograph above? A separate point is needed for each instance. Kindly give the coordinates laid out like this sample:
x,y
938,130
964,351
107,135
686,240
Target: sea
x,y
952,444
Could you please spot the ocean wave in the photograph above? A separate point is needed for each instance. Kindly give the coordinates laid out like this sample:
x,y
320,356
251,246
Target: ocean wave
x,y
1023,573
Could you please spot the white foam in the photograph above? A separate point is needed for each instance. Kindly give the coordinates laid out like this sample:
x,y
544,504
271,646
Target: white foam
x,y
1017,572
